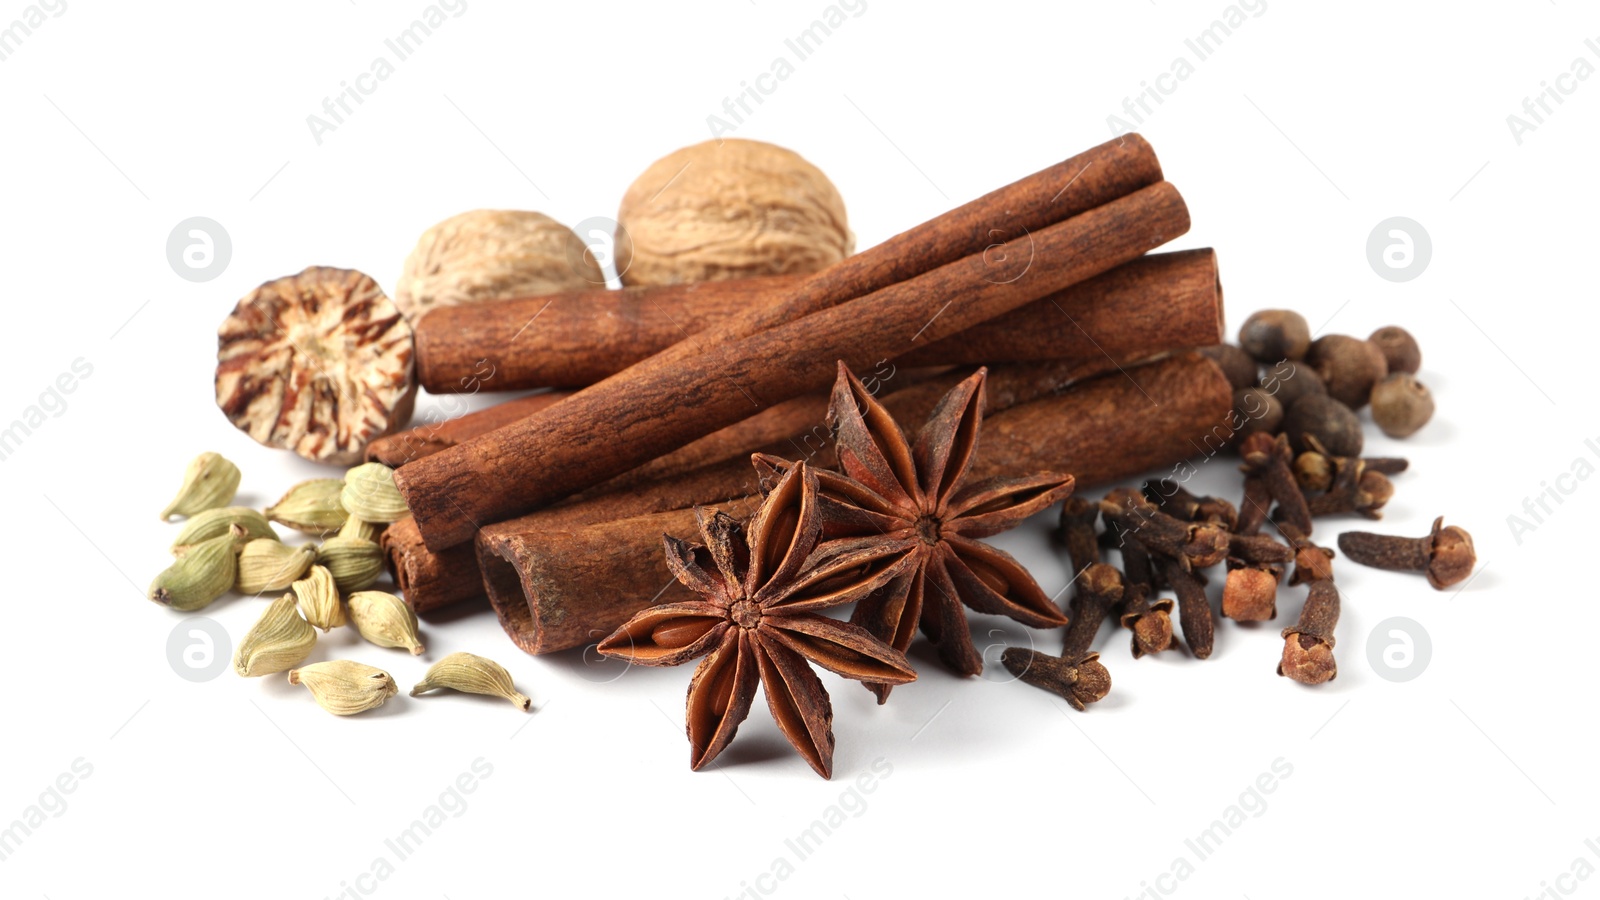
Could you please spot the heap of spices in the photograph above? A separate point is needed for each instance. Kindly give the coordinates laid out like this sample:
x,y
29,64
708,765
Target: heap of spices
x,y
1444,554
913,496
209,482
756,619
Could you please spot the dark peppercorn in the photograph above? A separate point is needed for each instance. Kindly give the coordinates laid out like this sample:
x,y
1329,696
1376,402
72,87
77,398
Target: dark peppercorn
x,y
1400,405
1399,348
1327,420
1348,366
1237,365
1274,334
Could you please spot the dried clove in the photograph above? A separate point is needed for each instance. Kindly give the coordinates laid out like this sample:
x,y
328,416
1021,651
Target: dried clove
x,y
1250,593
1354,489
1314,469
1190,543
1444,554
1079,682
1311,562
1308,644
1181,504
1077,532
1268,458
1194,610
1254,506
1258,549
1150,621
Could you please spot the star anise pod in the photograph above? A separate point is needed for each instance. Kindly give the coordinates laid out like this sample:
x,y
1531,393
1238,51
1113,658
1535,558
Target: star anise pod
x,y
914,496
757,619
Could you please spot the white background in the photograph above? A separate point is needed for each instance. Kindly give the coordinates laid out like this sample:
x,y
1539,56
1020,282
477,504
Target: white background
x,y
1306,128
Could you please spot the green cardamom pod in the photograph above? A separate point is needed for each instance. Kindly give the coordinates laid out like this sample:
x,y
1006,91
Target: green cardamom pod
x,y
203,526
201,575
209,482
474,675
344,687
268,564
357,527
369,493
318,597
279,640
385,620
311,507
354,563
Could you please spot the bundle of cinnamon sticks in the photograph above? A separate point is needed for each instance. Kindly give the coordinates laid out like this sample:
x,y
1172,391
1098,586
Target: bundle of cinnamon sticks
x,y
554,504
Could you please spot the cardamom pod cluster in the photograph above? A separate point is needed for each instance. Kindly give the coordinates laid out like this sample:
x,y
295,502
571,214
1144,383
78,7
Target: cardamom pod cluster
x,y
318,597
215,523
311,507
209,482
355,563
268,564
279,640
385,620
370,494
201,575
473,674
344,687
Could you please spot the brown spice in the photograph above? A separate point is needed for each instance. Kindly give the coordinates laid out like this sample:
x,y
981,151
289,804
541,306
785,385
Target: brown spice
x,y
1308,644
1250,593
1445,554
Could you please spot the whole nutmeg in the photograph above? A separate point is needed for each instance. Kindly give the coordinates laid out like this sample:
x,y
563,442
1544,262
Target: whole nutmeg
x,y
1401,404
1326,419
1398,347
1237,365
1289,381
493,254
1275,334
729,209
318,363
1348,366
1256,410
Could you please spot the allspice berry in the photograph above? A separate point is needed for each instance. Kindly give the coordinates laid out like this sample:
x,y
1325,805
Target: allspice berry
x,y
1275,334
1398,347
1289,381
1348,366
1401,404
729,209
1326,419
1256,410
1237,365
493,254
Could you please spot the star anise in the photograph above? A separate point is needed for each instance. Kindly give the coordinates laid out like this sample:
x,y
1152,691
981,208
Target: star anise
x,y
913,496
757,620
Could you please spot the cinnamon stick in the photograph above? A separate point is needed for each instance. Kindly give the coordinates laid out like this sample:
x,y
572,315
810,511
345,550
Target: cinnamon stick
x,y
562,588
576,338
395,450
654,407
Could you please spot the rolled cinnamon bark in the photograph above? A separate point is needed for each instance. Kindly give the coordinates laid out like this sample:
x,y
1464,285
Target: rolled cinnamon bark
x,y
655,407
563,588
1159,301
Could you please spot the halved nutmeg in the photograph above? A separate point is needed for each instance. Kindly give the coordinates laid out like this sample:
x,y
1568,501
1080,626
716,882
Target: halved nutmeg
x,y
319,363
